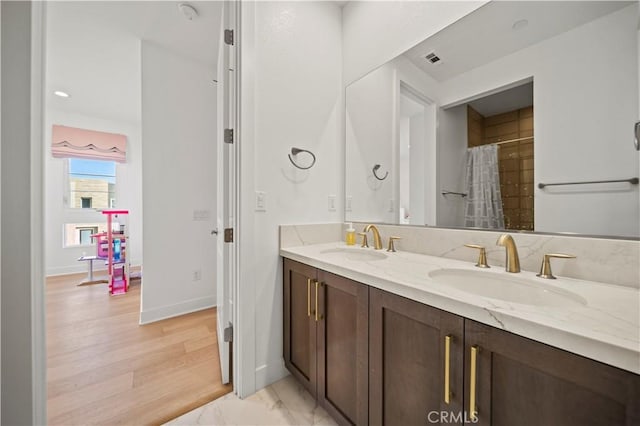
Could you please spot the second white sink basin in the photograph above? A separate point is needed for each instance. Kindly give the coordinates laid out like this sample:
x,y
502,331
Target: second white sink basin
x,y
503,287
357,254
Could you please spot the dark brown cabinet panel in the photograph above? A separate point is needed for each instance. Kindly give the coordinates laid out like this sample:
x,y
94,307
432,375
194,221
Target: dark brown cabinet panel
x,y
299,323
408,361
326,321
520,381
343,348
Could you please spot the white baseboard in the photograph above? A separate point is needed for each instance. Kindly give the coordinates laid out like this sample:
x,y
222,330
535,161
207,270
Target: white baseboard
x,y
75,269
170,311
270,373
98,269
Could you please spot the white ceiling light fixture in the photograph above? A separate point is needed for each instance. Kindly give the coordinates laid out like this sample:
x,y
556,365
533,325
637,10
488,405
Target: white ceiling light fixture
x,y
61,94
188,11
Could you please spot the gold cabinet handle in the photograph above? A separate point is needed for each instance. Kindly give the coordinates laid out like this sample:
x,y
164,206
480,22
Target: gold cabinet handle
x,y
318,316
473,409
447,368
308,297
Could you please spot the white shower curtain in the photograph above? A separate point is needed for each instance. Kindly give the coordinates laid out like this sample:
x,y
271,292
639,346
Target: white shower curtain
x,y
483,204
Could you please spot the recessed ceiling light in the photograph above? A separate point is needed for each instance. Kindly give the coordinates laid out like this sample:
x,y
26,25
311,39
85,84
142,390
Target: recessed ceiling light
x,y
518,25
61,94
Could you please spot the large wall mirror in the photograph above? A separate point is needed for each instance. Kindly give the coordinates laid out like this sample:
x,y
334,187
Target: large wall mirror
x,y
519,116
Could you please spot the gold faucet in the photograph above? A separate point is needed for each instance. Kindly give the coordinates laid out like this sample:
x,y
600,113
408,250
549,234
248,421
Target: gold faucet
x,y
545,268
512,263
377,242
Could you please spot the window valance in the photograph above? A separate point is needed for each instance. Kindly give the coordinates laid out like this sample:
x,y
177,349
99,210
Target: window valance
x,y
90,144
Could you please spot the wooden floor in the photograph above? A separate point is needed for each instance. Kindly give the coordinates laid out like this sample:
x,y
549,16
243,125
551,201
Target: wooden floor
x,y
104,368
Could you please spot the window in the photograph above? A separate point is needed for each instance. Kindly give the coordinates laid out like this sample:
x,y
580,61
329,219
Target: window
x,y
79,234
86,202
84,235
92,184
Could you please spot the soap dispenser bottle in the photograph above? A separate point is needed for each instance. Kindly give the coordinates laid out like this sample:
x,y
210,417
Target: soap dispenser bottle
x,y
350,237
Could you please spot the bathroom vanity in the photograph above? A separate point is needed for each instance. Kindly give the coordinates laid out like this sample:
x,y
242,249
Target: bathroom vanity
x,y
376,338
422,336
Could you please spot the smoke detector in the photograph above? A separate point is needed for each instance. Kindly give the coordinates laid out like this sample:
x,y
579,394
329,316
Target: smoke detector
x,y
188,11
433,58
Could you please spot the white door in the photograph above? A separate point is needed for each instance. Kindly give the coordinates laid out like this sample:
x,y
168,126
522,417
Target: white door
x,y
226,191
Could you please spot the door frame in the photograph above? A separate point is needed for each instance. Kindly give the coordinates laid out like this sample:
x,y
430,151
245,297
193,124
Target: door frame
x,y
227,193
38,328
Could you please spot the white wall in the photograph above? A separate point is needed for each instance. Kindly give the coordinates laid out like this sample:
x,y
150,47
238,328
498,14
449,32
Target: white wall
x,y
404,168
291,96
372,135
374,32
584,109
0,211
452,155
418,173
60,259
179,177
19,237
370,107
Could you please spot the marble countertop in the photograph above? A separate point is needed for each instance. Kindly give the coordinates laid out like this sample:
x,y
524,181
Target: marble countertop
x,y
605,326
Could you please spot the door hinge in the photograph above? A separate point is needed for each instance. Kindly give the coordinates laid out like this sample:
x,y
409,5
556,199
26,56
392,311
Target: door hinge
x,y
228,135
228,333
228,235
228,37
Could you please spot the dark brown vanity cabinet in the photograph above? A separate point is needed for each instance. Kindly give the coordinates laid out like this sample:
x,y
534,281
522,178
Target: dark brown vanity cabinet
x,y
519,381
326,339
504,378
373,357
415,361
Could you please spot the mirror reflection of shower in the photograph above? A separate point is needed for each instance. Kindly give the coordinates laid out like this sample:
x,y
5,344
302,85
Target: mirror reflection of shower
x,y
505,119
416,143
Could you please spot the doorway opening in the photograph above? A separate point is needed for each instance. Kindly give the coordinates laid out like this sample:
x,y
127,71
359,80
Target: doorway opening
x,y
155,84
416,151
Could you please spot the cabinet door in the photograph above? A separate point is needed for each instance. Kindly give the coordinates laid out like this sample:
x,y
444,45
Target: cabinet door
x,y
299,323
407,374
520,381
343,348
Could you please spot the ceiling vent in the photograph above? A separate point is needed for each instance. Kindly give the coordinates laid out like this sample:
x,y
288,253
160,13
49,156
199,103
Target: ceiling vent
x,y
433,58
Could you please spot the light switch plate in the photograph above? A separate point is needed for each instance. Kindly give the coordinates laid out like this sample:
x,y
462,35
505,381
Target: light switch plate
x,y
348,203
201,215
332,203
261,201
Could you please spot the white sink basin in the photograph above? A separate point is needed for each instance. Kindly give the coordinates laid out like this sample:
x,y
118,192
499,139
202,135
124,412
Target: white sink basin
x,y
503,287
357,254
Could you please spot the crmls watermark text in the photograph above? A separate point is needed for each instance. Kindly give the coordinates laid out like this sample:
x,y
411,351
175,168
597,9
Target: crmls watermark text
x,y
440,417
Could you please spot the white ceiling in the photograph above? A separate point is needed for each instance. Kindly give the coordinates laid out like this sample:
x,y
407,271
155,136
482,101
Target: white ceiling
x,y
507,100
93,50
487,34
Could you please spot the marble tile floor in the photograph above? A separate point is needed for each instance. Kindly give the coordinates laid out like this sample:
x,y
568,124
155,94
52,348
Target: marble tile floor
x,y
285,402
